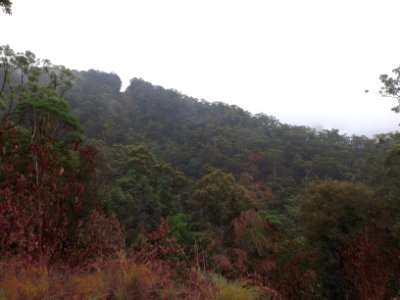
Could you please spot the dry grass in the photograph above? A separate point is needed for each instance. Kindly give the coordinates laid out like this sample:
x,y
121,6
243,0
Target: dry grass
x,y
209,286
117,279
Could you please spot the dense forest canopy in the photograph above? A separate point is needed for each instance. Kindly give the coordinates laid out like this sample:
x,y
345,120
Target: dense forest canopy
x,y
207,196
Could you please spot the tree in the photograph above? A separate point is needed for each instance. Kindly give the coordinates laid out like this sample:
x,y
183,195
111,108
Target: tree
x,y
371,264
42,194
6,6
145,191
391,87
23,77
333,211
44,200
94,100
218,199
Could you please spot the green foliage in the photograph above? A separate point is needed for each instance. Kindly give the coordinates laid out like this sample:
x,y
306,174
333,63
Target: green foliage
x,y
392,162
180,228
272,217
147,133
93,100
24,78
218,199
332,210
143,190
190,233
189,133
391,87
241,193
48,113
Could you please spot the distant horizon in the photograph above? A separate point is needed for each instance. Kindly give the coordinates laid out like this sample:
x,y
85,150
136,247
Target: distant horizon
x,y
390,129
318,127
291,59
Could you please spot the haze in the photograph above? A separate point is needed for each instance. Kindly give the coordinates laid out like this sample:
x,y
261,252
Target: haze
x,y
304,62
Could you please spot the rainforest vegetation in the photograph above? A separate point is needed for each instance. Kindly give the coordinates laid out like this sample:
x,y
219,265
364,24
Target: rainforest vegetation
x,y
148,193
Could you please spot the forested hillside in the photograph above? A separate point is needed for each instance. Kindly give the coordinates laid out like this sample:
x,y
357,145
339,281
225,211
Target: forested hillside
x,y
148,193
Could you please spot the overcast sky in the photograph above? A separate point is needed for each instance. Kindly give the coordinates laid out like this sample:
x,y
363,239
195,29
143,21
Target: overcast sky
x,y
304,62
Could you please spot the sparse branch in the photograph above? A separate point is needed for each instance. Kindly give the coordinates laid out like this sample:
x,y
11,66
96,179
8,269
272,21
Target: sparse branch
x,y
6,6
391,87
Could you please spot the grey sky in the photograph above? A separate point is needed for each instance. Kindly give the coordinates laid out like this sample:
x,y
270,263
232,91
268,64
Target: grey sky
x,y
304,62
